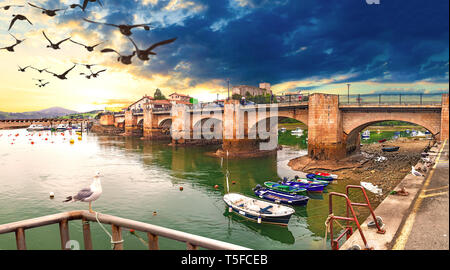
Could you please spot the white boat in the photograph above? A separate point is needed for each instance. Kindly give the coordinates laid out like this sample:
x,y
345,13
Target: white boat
x,y
366,135
35,127
283,130
62,127
297,131
258,210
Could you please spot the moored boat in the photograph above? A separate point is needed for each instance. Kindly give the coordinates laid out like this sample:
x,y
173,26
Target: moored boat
x,y
319,177
308,187
390,149
308,181
34,127
258,210
280,197
62,127
285,188
334,176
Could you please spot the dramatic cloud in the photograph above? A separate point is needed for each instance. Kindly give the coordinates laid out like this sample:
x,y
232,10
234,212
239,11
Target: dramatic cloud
x,y
295,45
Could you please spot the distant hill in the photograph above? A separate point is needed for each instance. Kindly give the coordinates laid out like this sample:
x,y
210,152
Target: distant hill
x,y
46,113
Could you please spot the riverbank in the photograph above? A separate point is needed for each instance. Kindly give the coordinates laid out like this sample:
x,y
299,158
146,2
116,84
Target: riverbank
x,y
385,172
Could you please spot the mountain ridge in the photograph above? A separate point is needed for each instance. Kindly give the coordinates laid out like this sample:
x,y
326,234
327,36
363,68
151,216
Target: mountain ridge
x,y
45,113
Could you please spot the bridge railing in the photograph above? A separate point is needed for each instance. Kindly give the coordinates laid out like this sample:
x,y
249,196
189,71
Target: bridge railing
x,y
391,99
117,226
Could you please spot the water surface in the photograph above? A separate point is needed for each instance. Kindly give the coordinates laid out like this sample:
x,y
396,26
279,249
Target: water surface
x,y
140,177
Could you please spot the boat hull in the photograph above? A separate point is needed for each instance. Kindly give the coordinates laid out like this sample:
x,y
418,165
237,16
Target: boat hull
x,y
308,187
390,149
280,197
281,219
285,188
319,177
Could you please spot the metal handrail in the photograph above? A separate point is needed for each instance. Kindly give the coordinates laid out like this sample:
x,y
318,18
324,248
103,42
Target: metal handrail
x,y
153,231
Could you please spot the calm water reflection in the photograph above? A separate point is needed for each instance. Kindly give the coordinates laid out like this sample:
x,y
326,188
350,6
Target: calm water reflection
x,y
141,177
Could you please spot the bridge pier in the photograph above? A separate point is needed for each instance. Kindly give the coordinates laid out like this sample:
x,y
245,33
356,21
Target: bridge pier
x,y
151,130
237,142
131,125
326,140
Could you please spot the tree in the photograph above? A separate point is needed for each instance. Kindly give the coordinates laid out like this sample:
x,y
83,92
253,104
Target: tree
x,y
158,95
236,97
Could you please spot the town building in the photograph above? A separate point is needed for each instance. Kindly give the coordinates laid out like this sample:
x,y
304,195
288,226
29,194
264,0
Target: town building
x,y
179,97
139,105
244,90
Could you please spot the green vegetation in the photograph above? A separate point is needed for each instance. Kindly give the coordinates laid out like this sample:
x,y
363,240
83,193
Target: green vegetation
x,y
158,95
394,123
286,138
236,97
259,99
86,115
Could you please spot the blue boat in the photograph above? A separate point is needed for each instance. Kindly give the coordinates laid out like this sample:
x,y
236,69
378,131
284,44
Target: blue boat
x,y
280,197
319,177
309,187
285,188
307,181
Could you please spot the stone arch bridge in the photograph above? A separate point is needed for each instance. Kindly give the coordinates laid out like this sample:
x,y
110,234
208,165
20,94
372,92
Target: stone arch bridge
x,y
333,127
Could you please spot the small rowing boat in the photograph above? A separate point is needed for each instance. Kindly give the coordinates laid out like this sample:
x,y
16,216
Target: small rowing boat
x,y
334,176
319,177
308,181
258,210
390,149
308,187
280,197
285,188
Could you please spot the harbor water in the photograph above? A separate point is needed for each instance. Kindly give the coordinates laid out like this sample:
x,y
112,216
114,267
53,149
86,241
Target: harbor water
x,y
141,181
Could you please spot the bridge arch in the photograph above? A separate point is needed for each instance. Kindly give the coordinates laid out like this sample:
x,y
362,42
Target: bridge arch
x,y
357,121
165,123
270,123
215,126
353,139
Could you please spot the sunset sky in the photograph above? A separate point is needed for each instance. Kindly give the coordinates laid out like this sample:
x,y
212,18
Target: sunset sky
x,y
318,46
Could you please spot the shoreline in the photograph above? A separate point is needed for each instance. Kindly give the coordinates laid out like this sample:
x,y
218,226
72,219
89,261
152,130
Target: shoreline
x,y
366,166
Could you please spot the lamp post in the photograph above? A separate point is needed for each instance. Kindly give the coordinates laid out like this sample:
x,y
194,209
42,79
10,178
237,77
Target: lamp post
x,y
348,93
228,80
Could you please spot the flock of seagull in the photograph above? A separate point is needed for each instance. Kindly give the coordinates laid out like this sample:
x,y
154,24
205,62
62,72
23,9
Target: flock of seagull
x,y
125,29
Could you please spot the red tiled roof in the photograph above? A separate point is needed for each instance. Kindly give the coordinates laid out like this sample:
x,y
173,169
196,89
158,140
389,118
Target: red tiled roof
x,y
181,95
162,101
149,97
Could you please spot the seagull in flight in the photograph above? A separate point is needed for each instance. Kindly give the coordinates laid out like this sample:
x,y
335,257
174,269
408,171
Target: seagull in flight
x,y
49,12
23,69
89,194
40,70
18,17
124,59
62,76
53,45
88,66
95,74
125,29
88,48
11,48
8,6
143,54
